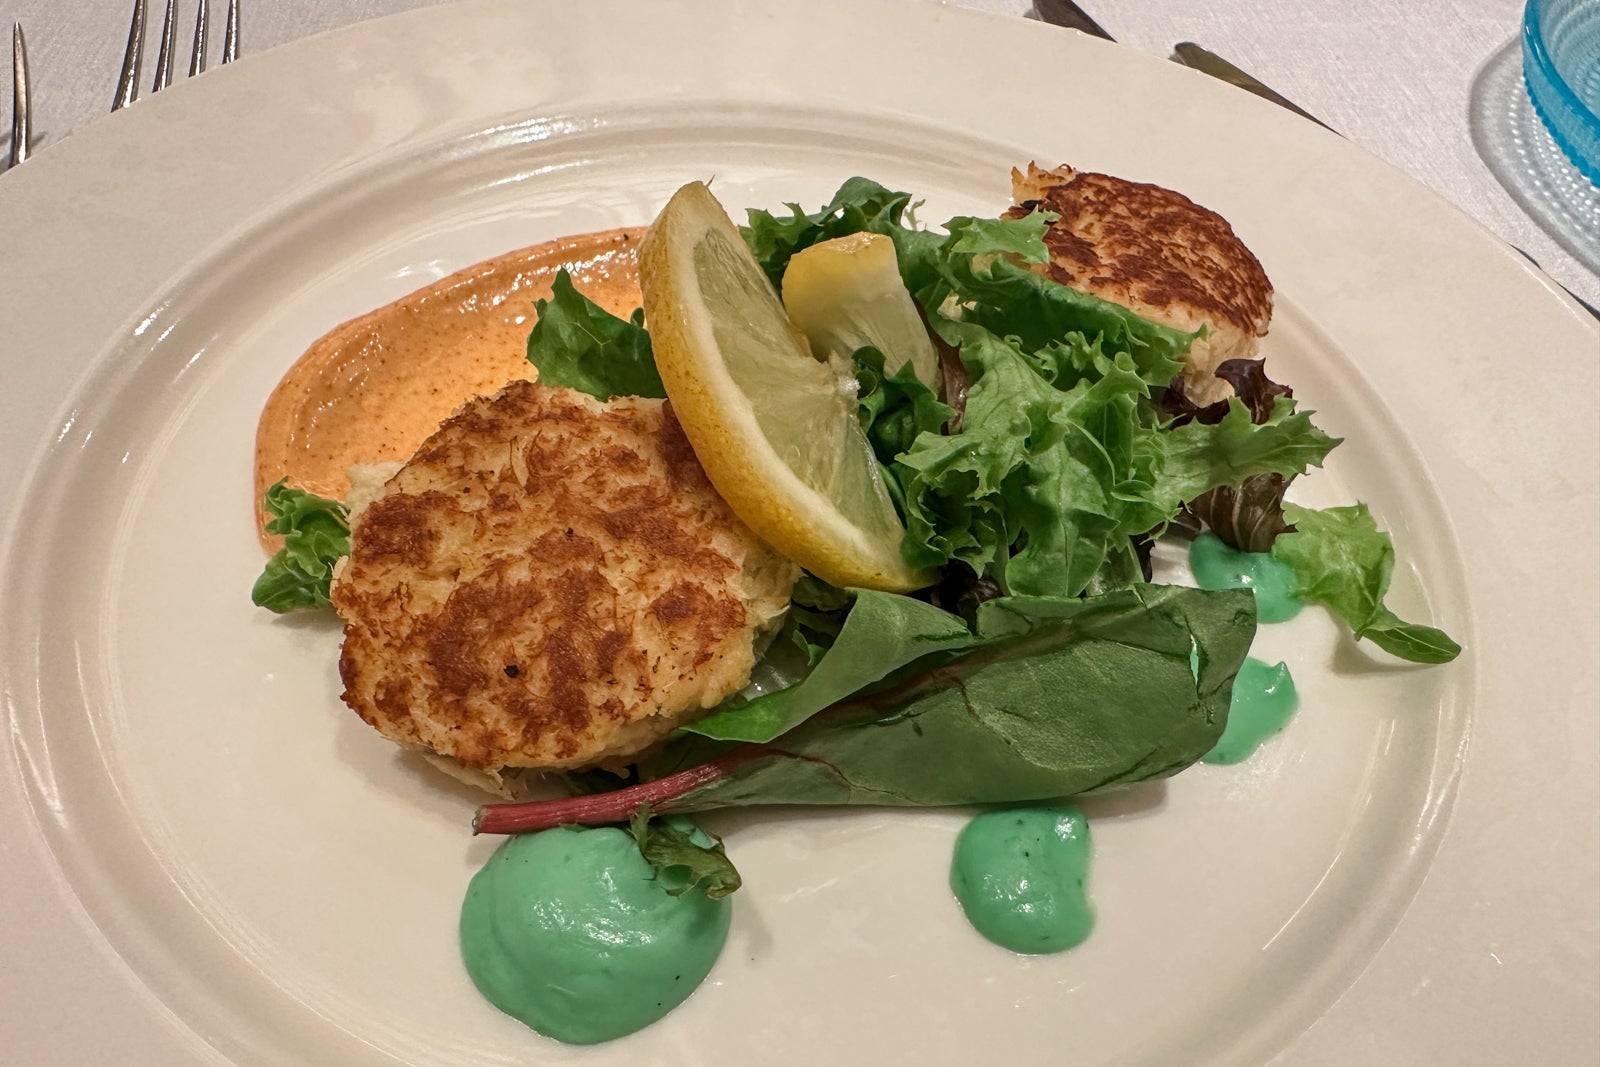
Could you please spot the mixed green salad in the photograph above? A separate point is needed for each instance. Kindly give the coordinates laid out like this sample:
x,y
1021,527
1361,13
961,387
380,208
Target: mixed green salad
x,y
1057,448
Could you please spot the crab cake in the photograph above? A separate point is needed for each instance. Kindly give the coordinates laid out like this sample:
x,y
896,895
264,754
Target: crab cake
x,y
1157,253
550,582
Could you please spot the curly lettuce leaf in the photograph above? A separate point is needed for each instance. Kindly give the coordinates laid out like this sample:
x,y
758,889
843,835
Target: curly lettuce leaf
x,y
1199,456
860,204
577,343
684,855
1023,237
895,409
316,534
1341,559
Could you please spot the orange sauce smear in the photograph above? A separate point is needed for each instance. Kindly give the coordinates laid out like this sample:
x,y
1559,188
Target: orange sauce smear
x,y
373,389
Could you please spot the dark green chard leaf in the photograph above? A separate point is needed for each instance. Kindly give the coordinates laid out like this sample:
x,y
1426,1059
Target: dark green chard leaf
x,y
883,632
1056,697
1341,559
683,854
316,535
577,343
1065,696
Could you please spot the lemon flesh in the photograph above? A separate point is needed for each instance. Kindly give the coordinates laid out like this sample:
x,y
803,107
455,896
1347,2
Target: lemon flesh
x,y
847,294
774,427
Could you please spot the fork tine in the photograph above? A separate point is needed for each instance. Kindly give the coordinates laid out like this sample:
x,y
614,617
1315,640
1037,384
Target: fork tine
x,y
202,32
230,33
169,45
132,61
21,106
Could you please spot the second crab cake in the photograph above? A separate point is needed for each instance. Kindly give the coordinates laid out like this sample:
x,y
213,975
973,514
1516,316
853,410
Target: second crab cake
x,y
550,582
1158,253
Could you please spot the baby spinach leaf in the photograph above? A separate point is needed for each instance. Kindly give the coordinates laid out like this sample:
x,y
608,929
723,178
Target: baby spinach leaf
x,y
577,343
316,534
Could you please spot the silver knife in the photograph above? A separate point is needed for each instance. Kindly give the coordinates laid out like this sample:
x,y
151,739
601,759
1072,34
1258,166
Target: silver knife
x,y
1066,13
1070,15
1192,55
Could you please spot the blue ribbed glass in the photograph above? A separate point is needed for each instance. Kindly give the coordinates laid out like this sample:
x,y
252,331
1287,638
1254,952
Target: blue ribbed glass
x,y
1561,63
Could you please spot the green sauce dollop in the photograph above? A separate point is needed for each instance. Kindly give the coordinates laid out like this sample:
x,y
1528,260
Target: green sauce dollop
x,y
1021,874
1264,699
571,932
1216,566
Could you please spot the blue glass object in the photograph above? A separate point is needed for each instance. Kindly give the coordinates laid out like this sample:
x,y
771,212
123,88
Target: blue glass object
x,y
1561,63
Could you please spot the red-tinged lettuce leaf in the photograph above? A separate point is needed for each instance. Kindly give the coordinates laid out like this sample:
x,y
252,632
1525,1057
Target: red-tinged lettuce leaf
x,y
1250,384
1341,559
1247,517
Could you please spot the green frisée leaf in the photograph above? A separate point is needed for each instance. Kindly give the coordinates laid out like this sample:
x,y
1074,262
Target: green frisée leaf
x,y
316,534
1036,313
577,343
1022,237
860,204
683,854
895,409
1341,559
1200,456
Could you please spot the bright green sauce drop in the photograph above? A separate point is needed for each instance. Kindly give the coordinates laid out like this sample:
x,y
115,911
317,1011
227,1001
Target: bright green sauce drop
x,y
1263,701
1021,875
1216,566
571,932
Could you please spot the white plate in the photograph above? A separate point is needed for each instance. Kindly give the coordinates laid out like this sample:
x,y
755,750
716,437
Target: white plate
x,y
204,858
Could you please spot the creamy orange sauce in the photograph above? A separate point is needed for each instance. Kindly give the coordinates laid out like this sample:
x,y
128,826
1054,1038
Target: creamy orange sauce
x,y
373,389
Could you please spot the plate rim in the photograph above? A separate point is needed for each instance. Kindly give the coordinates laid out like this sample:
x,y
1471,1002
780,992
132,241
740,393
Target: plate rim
x,y
88,153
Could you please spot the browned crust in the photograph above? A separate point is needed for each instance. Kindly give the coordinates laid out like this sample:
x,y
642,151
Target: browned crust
x,y
550,582
1145,247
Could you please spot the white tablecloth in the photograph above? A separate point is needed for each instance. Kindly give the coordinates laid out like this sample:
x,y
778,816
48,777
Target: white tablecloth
x,y
1393,77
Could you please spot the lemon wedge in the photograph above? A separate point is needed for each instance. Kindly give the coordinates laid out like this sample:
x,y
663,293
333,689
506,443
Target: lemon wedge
x,y
774,427
847,294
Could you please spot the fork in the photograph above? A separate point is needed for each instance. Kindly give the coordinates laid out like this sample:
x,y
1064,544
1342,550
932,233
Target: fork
x,y
21,106
133,57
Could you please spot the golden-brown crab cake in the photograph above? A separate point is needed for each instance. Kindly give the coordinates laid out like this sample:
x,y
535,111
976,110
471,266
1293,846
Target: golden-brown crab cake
x,y
550,582
1158,253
